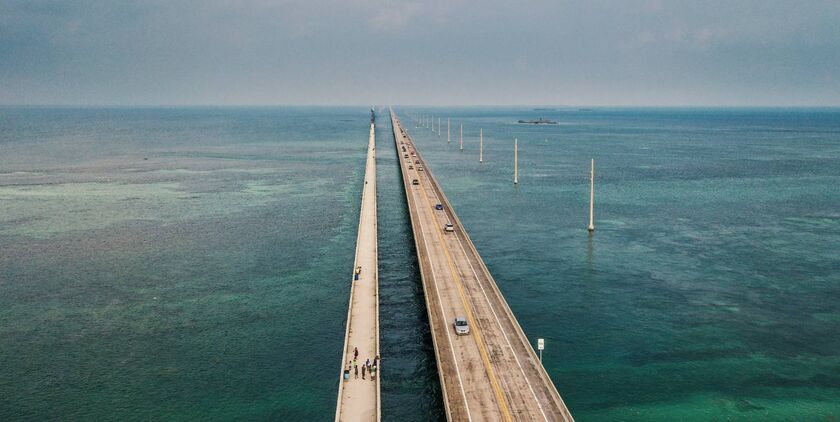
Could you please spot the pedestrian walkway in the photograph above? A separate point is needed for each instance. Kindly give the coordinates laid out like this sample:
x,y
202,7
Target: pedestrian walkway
x,y
358,395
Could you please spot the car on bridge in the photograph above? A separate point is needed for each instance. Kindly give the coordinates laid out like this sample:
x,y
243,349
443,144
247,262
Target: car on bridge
x,y
448,227
410,167
438,206
462,328
419,168
415,182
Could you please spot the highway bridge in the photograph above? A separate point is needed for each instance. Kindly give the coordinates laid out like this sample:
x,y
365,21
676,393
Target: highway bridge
x,y
493,372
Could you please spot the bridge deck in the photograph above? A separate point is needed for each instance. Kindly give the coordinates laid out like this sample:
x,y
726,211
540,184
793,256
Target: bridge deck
x,y
358,399
492,373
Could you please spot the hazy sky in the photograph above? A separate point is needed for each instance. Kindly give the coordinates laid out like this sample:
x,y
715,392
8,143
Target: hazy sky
x,y
621,52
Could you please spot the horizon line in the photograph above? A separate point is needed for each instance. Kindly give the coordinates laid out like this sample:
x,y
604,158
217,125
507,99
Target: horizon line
x,y
558,106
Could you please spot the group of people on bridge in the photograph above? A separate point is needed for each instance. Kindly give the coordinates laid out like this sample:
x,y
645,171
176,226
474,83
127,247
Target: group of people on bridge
x,y
368,367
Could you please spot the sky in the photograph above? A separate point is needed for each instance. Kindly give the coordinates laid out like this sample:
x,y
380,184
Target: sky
x,y
454,52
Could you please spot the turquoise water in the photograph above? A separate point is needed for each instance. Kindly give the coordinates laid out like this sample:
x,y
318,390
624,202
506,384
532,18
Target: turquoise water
x,y
175,263
193,263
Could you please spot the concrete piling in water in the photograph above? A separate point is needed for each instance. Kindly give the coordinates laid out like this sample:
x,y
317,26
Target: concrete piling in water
x,y
516,161
592,197
462,136
481,145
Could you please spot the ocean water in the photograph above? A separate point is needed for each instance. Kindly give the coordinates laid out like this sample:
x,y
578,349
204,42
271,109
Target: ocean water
x,y
160,264
193,263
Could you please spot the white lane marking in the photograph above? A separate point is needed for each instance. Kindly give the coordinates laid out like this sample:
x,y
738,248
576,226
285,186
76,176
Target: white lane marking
x,y
496,316
443,313
427,181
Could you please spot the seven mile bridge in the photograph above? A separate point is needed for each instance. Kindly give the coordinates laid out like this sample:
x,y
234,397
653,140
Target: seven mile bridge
x,y
492,372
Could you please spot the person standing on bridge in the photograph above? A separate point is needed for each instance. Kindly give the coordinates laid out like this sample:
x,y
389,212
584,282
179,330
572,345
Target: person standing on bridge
x,y
363,372
355,353
356,367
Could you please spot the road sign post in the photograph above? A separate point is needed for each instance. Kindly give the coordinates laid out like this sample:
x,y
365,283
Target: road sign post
x,y
540,346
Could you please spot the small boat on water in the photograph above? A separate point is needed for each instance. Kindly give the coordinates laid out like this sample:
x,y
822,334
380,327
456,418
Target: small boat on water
x,y
539,121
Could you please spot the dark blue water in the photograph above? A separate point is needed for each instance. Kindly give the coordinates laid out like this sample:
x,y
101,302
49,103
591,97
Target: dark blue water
x,y
411,390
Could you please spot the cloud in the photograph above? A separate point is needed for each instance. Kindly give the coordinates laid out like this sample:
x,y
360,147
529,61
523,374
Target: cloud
x,y
653,6
394,16
413,51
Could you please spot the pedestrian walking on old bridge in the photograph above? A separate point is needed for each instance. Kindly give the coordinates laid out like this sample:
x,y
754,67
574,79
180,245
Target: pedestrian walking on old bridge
x,y
363,372
356,367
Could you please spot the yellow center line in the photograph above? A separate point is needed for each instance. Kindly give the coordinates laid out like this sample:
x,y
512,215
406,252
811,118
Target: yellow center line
x,y
500,397
412,201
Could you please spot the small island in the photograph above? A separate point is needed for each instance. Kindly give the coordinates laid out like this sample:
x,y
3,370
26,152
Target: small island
x,y
539,121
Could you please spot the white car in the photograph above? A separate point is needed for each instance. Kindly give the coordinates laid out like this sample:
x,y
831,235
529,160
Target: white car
x,y
448,227
461,326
